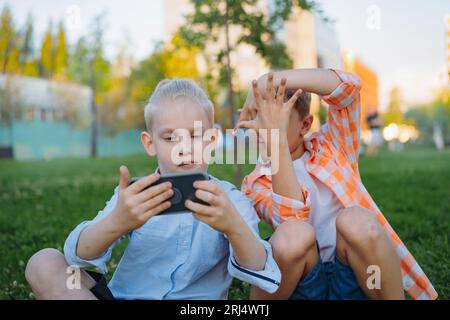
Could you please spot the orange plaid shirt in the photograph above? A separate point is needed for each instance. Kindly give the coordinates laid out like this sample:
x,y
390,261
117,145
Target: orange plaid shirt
x,y
334,151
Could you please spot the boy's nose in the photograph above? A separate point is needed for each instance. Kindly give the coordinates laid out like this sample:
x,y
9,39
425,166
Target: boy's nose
x,y
186,149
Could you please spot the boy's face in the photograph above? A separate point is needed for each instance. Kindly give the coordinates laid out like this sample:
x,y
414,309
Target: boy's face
x,y
173,138
298,128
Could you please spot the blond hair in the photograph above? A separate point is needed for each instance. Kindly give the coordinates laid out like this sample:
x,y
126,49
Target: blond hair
x,y
172,89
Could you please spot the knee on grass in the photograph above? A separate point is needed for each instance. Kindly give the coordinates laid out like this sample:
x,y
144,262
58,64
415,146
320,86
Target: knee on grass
x,y
359,227
44,265
292,240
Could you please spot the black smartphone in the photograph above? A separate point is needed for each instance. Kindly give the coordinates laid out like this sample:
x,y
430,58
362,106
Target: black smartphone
x,y
183,189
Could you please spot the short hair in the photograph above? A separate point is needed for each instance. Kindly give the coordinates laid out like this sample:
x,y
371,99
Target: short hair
x,y
302,104
173,89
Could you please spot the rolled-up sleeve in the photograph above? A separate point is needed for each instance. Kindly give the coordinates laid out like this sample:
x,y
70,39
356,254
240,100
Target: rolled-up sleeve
x,y
271,207
343,126
268,278
70,246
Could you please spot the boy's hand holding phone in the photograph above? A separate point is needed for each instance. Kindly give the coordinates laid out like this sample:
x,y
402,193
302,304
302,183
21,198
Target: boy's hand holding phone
x,y
220,214
135,206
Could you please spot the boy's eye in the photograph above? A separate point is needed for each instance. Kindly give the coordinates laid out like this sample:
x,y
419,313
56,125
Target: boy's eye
x,y
168,138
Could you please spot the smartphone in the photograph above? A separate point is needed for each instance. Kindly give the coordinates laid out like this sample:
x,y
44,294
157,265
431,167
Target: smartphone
x,y
183,189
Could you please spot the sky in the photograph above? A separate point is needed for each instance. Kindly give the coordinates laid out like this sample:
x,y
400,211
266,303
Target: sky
x,y
403,41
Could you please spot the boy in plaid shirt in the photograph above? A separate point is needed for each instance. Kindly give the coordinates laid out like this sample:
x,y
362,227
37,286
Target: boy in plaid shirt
x,y
330,239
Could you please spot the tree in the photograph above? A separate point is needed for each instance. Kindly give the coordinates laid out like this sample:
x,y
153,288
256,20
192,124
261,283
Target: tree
x,y
212,22
27,46
179,59
436,113
394,113
212,19
46,58
89,66
61,55
118,110
9,53
146,75
29,66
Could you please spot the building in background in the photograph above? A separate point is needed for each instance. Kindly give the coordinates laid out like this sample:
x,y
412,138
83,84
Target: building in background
x,y
370,89
43,119
312,43
46,100
370,118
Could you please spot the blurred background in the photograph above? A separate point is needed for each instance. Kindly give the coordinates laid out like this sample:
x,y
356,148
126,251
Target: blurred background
x,y
75,77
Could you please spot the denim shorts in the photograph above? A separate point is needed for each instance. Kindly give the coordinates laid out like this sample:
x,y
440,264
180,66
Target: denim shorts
x,y
329,281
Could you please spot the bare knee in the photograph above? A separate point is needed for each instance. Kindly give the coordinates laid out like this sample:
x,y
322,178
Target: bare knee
x,y
359,227
43,265
292,240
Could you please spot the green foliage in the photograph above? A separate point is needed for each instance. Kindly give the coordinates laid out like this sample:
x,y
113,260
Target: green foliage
x,y
46,59
226,24
256,28
88,65
9,44
436,113
394,113
61,54
145,77
179,60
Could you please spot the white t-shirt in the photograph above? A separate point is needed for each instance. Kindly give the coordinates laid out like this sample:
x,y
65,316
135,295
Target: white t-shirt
x,y
324,207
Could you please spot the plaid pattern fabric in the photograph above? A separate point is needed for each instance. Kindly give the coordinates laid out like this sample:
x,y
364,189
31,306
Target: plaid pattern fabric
x,y
334,150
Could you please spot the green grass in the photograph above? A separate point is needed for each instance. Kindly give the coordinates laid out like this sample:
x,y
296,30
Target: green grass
x,y
42,201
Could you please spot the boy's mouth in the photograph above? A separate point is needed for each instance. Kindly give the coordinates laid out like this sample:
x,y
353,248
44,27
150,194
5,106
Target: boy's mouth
x,y
187,165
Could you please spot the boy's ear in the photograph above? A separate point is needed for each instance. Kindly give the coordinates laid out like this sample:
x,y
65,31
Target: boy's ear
x,y
215,136
306,124
147,142
212,136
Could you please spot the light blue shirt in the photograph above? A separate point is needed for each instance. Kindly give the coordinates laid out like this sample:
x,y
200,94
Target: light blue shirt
x,y
176,256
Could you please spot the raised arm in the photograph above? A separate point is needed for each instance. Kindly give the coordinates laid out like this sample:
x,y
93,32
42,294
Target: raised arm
x,y
339,89
318,81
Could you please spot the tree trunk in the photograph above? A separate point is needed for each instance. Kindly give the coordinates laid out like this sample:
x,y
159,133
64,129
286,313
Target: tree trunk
x,y
237,171
94,126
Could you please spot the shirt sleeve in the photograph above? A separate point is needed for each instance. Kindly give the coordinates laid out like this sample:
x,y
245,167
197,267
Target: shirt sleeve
x,y
70,246
272,207
342,128
268,278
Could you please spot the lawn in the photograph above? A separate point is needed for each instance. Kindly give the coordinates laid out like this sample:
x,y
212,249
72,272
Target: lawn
x,y
42,201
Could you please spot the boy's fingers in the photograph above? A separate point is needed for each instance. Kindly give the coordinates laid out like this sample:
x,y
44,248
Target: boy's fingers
x,y
207,197
294,98
245,124
153,191
269,88
244,115
141,184
124,176
281,92
198,208
157,200
209,186
157,210
256,94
